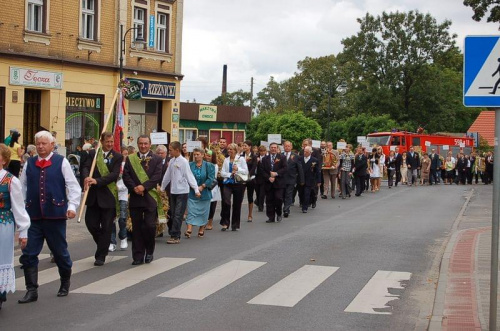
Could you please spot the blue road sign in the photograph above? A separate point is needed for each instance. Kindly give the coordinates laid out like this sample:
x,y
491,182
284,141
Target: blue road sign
x,y
482,71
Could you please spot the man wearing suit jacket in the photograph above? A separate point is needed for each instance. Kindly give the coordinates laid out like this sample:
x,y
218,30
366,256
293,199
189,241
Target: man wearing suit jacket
x,y
273,167
413,162
399,163
360,167
293,175
435,167
102,198
312,179
141,174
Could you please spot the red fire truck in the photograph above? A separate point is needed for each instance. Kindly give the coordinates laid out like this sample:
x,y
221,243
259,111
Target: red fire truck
x,y
421,142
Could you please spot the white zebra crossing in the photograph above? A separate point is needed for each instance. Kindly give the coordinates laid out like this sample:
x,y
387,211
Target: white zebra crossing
x,y
133,276
52,274
375,296
40,258
212,281
293,288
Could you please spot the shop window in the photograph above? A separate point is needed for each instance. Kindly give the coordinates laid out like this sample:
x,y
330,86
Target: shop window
x,y
143,119
214,136
203,133
2,113
139,23
89,19
36,15
187,135
84,115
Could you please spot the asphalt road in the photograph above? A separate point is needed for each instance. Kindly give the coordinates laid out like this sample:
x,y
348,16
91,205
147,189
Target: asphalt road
x,y
349,243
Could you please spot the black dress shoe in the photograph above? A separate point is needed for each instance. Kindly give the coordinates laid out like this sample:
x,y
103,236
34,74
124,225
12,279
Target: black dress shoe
x,y
304,211
270,221
137,262
285,215
149,258
279,219
99,263
313,205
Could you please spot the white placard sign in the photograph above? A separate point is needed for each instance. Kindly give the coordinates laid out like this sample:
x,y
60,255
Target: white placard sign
x,y
274,138
393,148
265,144
158,138
462,145
361,139
446,147
191,145
427,143
316,144
365,144
341,145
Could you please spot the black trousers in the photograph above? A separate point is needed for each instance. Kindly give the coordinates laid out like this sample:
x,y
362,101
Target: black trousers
x,y
213,206
237,191
434,178
223,205
260,189
274,202
250,190
360,184
143,231
288,197
100,224
398,176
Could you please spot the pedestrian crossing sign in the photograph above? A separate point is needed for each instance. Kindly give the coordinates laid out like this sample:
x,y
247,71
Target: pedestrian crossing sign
x,y
482,71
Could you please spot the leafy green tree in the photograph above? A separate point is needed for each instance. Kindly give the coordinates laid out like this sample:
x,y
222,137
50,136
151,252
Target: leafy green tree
x,y
293,126
483,7
237,98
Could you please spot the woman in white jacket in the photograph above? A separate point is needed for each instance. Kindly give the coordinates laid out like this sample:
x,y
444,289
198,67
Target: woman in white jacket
x,y
234,173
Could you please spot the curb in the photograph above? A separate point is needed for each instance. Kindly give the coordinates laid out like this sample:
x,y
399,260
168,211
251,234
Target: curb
x,y
435,323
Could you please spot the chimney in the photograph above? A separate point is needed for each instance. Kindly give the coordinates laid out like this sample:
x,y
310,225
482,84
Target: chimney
x,y
224,80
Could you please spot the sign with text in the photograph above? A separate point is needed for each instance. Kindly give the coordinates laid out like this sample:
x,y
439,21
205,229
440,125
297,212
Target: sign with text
x,y
151,43
393,148
361,139
274,138
365,144
341,145
133,90
158,138
316,143
191,145
35,78
207,113
264,143
446,147
155,90
427,143
78,102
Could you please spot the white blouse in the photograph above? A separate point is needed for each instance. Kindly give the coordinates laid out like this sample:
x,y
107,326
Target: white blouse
x,y
241,163
21,216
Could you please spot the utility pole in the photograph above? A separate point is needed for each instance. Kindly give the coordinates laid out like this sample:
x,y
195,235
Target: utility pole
x,y
251,93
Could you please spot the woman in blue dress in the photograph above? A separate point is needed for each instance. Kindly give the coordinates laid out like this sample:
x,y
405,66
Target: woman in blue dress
x,y
12,214
199,208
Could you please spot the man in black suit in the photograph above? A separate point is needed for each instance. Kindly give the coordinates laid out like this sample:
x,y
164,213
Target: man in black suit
x,y
413,162
399,163
273,167
312,179
102,198
360,167
435,167
461,169
141,175
293,174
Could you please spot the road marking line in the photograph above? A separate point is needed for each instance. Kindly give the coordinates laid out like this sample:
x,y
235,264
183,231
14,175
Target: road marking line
x,y
212,281
293,288
375,296
52,274
40,257
128,278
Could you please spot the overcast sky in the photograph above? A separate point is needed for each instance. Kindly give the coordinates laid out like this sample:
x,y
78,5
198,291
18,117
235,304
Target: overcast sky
x,y
264,38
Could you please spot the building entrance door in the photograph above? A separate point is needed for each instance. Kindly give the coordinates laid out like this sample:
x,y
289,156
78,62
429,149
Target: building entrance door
x,y
32,110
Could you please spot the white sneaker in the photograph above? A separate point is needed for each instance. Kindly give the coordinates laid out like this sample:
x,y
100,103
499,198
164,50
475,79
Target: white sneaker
x,y
112,247
123,244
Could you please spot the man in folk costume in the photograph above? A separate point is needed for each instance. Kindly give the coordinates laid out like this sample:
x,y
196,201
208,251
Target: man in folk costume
x,y
141,175
102,198
52,196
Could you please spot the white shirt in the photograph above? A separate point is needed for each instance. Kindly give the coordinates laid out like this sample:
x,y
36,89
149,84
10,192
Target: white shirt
x,y
180,176
73,189
21,216
306,159
240,162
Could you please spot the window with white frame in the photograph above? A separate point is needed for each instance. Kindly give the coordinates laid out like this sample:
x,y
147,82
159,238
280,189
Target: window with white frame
x,y
162,32
139,22
35,15
89,19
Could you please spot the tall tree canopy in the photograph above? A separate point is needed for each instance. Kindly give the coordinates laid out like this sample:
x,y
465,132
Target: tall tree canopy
x,y
237,98
483,7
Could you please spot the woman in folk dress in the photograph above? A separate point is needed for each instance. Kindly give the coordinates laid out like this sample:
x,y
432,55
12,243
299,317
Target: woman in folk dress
x,y
12,214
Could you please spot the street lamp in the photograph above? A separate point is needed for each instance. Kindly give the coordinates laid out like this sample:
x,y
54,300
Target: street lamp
x,y
314,108
138,41
342,90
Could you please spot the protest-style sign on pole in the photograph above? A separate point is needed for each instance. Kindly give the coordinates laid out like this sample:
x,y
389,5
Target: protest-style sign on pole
x,y
361,139
158,138
191,145
341,145
316,143
274,138
265,144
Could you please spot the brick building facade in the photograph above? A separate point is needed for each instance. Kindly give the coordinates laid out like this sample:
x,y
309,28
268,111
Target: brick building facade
x,y
59,66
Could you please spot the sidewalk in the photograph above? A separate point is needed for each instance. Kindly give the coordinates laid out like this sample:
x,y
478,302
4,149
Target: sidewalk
x,y
462,297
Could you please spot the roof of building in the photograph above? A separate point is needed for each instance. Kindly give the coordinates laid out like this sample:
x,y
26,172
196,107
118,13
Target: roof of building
x,y
234,114
485,125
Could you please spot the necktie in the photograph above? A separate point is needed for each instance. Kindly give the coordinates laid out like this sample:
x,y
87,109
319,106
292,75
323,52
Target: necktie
x,y
272,162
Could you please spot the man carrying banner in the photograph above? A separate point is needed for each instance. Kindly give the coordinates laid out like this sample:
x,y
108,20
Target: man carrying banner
x,y
102,198
141,175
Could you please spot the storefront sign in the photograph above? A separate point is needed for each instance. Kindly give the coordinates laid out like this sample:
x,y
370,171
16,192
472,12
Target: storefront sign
x,y
208,113
77,102
151,31
155,90
133,90
158,138
35,78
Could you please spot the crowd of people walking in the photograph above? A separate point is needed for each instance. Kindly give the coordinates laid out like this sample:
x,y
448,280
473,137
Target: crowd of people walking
x,y
151,192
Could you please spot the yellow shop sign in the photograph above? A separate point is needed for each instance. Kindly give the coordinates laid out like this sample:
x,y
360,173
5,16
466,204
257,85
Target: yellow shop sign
x,y
208,113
